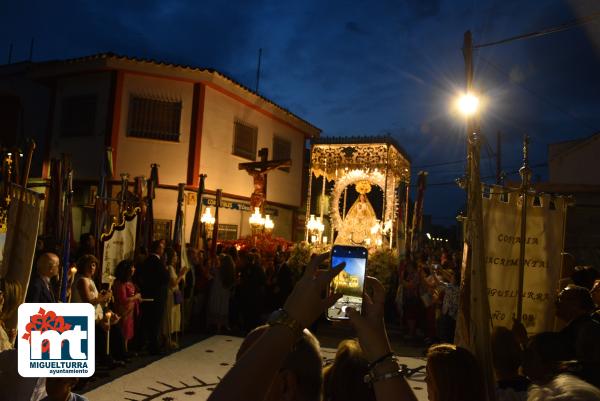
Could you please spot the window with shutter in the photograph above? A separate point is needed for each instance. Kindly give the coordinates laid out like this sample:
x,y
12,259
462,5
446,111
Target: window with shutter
x,y
282,149
244,140
154,119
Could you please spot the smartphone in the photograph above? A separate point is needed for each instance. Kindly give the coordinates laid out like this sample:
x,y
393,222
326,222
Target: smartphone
x,y
350,282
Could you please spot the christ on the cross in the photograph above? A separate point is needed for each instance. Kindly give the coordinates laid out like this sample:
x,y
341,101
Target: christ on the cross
x,y
258,171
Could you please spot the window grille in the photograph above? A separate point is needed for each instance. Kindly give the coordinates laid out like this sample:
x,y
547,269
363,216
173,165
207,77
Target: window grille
x,y
227,232
282,149
154,119
244,140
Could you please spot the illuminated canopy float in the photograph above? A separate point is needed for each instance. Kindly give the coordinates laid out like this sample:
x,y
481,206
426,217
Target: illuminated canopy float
x,y
363,162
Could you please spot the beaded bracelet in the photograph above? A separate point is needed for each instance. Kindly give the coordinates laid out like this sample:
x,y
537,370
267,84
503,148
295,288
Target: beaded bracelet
x,y
370,378
379,360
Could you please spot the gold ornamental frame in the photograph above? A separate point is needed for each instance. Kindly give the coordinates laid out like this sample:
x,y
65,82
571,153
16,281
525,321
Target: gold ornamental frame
x,y
346,160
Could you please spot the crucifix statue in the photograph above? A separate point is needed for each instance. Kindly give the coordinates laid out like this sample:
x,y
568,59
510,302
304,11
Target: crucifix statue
x,y
258,171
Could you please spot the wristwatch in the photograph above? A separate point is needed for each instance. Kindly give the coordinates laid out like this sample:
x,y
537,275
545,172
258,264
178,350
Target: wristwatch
x,y
280,317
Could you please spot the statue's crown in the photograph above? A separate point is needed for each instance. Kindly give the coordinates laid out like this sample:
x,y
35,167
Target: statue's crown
x,y
363,187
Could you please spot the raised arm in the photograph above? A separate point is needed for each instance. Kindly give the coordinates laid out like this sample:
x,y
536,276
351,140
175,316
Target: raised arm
x,y
388,382
250,378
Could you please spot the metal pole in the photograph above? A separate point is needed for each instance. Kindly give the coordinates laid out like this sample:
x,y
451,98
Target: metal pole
x,y
525,172
384,208
345,201
308,196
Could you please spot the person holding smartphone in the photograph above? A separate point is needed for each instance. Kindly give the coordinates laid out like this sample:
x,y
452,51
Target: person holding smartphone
x,y
252,375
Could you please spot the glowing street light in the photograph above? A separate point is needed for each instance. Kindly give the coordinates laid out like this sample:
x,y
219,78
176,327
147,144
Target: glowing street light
x,y
468,104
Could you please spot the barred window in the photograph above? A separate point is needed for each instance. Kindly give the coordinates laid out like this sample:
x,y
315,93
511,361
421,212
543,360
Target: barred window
x,y
244,140
154,119
227,232
78,116
282,149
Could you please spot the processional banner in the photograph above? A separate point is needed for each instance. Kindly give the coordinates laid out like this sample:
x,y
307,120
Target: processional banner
x,y
119,244
21,237
543,245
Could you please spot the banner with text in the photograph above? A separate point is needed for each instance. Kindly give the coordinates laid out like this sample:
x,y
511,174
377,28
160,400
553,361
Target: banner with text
x,y
543,246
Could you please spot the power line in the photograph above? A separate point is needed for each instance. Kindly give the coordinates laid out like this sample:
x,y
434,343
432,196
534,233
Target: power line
x,y
546,31
537,95
436,184
422,166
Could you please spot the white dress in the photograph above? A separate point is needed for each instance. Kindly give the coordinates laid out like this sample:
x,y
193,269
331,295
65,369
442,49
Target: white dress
x,y
356,227
173,321
5,343
76,296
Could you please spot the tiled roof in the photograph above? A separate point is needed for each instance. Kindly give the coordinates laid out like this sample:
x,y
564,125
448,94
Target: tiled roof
x,y
113,56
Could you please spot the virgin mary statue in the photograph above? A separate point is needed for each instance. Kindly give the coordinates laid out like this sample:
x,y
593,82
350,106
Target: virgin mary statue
x,y
356,226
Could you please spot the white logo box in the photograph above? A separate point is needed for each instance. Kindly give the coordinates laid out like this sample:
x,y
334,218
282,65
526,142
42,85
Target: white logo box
x,y
70,351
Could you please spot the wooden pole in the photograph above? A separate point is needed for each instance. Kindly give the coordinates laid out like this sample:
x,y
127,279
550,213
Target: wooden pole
x,y
27,166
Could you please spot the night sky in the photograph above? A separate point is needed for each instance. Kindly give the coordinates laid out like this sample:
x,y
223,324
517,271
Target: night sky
x,y
360,68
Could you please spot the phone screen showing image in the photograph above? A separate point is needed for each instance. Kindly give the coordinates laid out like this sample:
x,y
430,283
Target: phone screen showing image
x,y
350,282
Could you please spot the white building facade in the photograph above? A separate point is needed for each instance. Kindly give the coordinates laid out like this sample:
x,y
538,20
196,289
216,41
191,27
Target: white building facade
x,y
189,121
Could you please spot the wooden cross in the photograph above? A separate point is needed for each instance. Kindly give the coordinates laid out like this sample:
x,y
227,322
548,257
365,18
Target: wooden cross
x,y
258,171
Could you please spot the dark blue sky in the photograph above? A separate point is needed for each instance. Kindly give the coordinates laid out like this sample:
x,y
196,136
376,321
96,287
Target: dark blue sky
x,y
360,68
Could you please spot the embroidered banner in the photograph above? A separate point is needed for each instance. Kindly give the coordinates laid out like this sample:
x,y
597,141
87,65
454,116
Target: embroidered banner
x,y
119,244
21,237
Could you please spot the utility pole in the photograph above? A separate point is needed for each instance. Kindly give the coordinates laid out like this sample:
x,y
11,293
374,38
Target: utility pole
x,y
476,317
499,158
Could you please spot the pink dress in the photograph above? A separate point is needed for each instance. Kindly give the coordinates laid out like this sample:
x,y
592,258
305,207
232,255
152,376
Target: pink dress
x,y
128,310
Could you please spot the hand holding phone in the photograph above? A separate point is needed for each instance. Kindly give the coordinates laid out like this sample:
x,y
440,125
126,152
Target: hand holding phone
x,y
350,282
306,303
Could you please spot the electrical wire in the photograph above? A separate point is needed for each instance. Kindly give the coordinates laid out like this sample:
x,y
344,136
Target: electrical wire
x,y
537,95
554,29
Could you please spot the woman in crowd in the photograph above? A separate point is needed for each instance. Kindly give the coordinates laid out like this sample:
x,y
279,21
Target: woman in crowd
x,y
85,288
127,299
86,291
11,294
343,380
411,302
174,298
220,293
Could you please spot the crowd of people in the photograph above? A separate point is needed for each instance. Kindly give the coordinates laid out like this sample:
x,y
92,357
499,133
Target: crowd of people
x,y
155,297
280,361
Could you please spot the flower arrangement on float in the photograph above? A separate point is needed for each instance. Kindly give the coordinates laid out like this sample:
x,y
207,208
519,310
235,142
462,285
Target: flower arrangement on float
x,y
382,264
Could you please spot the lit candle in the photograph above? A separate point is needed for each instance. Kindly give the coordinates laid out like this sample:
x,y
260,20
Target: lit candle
x,y
325,239
73,270
108,316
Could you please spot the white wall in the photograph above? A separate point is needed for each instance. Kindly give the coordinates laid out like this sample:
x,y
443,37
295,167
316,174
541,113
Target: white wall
x,y
86,152
134,155
221,166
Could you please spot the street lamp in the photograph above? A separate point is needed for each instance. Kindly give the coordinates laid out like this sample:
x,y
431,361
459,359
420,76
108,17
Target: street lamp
x,y
315,227
256,220
269,224
207,219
